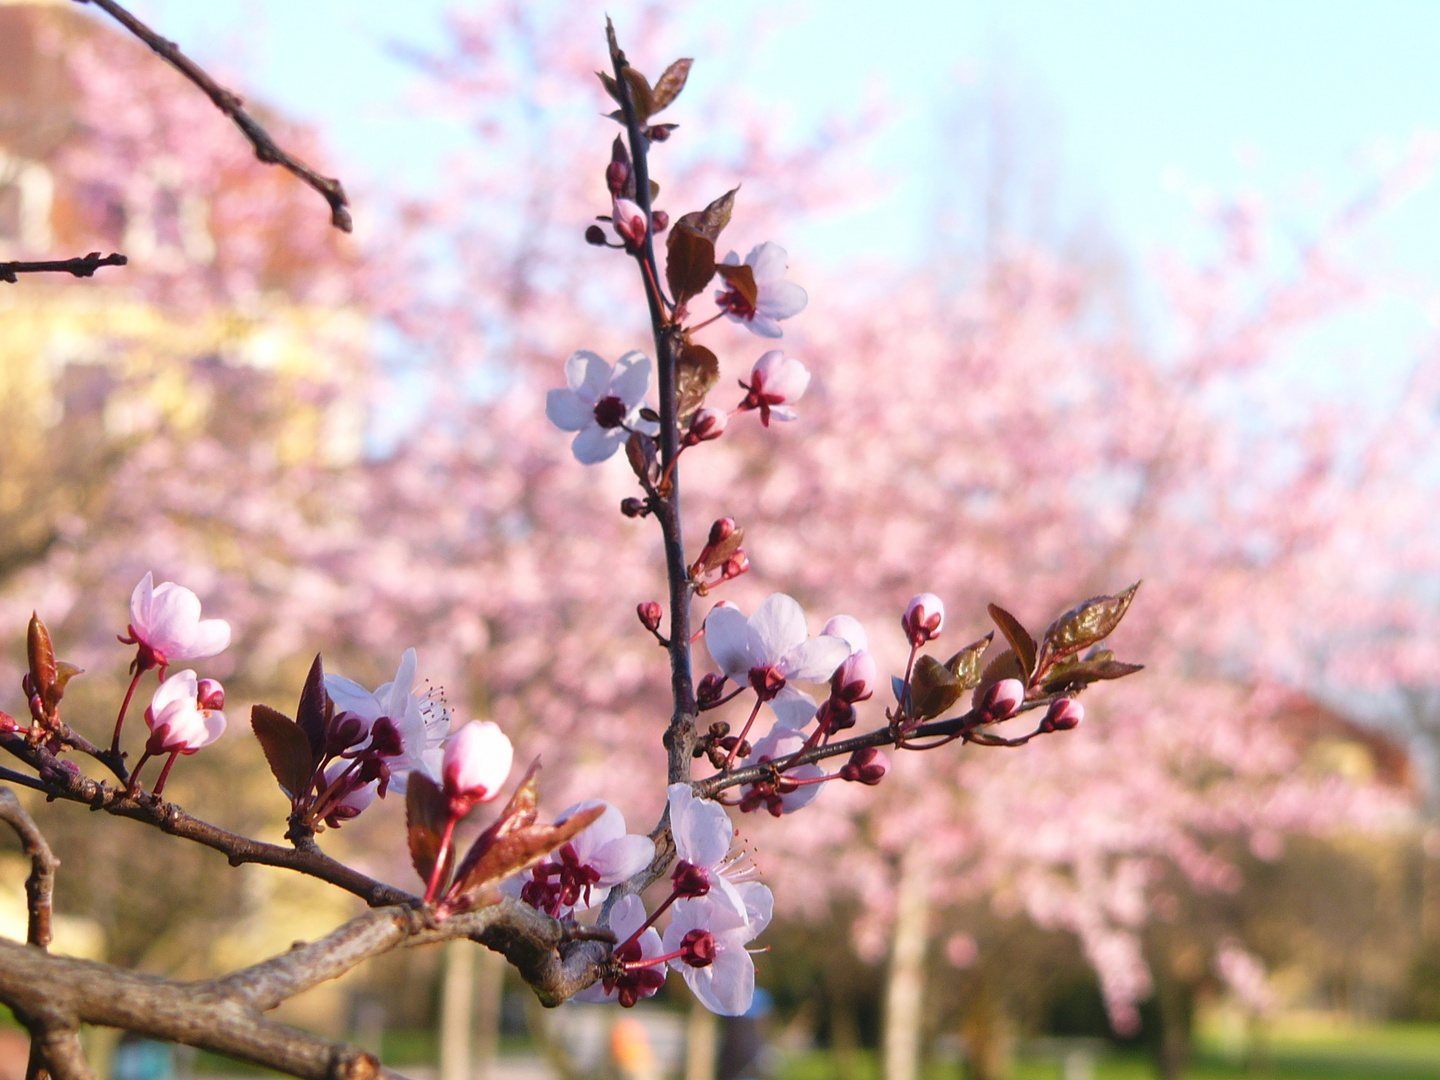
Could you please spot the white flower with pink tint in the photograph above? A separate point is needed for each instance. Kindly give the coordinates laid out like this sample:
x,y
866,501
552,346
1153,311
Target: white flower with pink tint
x,y
420,724
771,648
177,722
711,938
923,618
703,834
775,298
600,405
580,874
165,622
476,762
849,628
776,381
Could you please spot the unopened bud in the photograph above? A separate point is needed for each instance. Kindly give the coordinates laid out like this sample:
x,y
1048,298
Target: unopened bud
x,y
617,175
660,219
660,132
923,618
634,508
1064,714
710,689
835,715
209,694
736,565
650,613
595,235
866,766
1002,699
629,221
707,423
854,680
7,722
346,729
723,529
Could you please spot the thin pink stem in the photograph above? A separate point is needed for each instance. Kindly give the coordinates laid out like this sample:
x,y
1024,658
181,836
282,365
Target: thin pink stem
x,y
134,787
438,872
648,922
730,759
124,707
164,773
633,965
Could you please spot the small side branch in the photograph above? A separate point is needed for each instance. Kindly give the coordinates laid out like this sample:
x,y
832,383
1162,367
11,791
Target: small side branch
x,y
233,106
59,1051
40,885
81,266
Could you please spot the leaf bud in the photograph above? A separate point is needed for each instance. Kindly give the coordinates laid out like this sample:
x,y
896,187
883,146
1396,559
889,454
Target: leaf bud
x,y
634,508
721,530
595,235
660,219
617,175
649,613
710,689
1064,714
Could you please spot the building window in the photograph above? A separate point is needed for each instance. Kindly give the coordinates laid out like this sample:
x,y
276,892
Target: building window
x,y
27,193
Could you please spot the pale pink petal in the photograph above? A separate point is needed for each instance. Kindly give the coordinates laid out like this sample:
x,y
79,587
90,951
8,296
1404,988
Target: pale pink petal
x,y
777,626
632,378
211,636
793,708
769,262
596,444
700,827
567,411
726,636
815,660
780,300
587,374
622,859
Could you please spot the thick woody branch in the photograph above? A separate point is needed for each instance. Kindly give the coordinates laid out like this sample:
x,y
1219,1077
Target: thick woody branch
x,y
233,106
40,885
58,1052
81,266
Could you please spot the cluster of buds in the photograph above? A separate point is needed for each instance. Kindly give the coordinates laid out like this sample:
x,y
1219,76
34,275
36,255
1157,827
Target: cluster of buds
x,y
722,558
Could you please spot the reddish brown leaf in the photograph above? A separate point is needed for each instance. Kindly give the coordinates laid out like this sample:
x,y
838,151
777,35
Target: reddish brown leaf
x,y
933,688
1019,638
288,751
640,452
493,858
689,261
711,221
1084,625
740,278
696,372
718,555
965,664
1005,666
427,812
315,709
1072,675
671,83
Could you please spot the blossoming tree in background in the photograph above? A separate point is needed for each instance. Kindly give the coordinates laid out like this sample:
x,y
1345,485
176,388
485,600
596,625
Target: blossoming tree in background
x,y
345,747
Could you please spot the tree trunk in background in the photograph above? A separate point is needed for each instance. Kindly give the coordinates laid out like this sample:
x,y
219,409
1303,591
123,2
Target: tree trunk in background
x,y
844,1037
489,991
905,986
986,1032
456,1009
702,1037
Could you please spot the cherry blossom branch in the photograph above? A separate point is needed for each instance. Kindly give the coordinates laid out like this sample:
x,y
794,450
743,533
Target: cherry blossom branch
x,y
80,266
233,106
680,736
40,885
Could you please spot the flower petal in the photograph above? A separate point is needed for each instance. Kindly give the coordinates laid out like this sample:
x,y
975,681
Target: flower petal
x,y
726,636
701,828
587,374
596,444
566,410
622,859
211,636
780,300
727,986
793,708
777,627
631,381
815,660
769,261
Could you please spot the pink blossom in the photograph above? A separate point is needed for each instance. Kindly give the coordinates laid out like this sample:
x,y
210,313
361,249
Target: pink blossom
x,y
776,381
849,628
166,623
1063,715
476,762
711,938
626,918
775,298
707,423
581,873
177,722
602,407
772,647
1001,699
867,765
923,618
629,221
420,725
854,680
703,834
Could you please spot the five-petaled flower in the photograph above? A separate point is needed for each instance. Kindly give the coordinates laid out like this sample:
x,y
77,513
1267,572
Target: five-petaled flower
x,y
166,626
413,730
601,406
771,648
710,937
177,719
775,298
581,873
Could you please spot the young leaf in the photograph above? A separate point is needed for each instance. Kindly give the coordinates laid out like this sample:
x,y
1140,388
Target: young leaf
x,y
711,221
1068,676
287,750
1019,638
315,710
965,664
495,857
716,556
696,372
689,261
671,83
426,815
740,278
933,688
1083,625
640,452
41,654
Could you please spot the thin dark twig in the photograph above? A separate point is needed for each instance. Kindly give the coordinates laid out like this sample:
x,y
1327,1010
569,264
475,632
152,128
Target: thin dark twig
x,y
233,106
40,885
81,266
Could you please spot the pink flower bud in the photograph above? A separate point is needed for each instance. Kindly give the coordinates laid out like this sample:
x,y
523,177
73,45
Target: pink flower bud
x,y
710,688
848,629
706,424
867,766
734,566
854,680
476,763
617,175
1064,714
1002,699
650,613
923,618
7,722
776,382
210,694
722,530
629,221
660,219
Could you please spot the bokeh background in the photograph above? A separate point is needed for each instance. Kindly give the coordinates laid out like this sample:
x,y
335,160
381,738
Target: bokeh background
x,y
1144,292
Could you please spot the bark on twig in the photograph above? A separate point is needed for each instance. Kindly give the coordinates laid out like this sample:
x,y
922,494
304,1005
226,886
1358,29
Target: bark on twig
x,y
81,266
233,106
40,885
